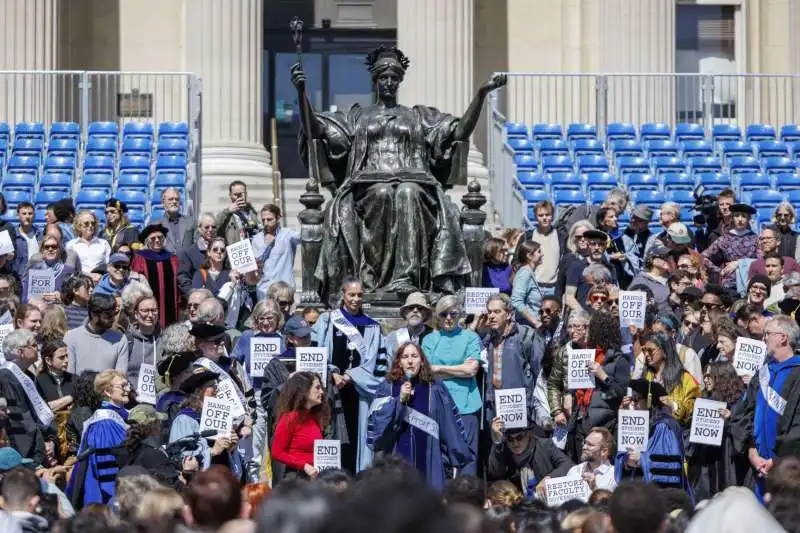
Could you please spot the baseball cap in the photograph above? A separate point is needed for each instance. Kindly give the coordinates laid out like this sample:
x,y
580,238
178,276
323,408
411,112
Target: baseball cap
x,y
297,327
118,258
11,458
679,233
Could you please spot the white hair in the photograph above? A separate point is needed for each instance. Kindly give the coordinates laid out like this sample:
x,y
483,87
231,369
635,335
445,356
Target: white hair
x,y
14,341
671,207
785,323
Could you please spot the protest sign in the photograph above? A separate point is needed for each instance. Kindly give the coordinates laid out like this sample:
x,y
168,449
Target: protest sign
x,y
146,384
633,430
511,407
327,454
312,359
475,299
242,257
578,376
632,305
5,329
6,246
41,282
226,391
707,423
217,415
748,356
563,489
262,350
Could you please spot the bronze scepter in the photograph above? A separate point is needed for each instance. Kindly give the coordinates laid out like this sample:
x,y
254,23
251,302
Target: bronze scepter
x,y
296,25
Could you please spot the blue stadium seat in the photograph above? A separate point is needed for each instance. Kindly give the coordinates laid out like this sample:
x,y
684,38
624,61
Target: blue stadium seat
x,y
626,148
171,165
14,198
772,149
136,168
750,181
556,163
588,147
132,198
687,216
91,199
765,198
52,181
642,182
46,197
600,181
517,129
60,165
691,149
527,162
565,181
683,198
705,164
63,148
535,195
787,182
546,131
520,145
714,182
592,163
794,148
759,132
5,132
23,165
735,149
137,146
18,182
4,144
793,197
528,178
630,165
98,182
663,165
551,147
617,131
65,131
180,130
790,132
655,130
134,182
661,148
27,147
157,213
581,131
138,130
741,164
136,217
650,198
677,182
98,165
569,198
779,165
725,132
598,197
101,146
40,219
687,131
29,130
103,130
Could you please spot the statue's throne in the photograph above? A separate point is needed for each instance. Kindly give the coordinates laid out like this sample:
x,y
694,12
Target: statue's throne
x,y
385,304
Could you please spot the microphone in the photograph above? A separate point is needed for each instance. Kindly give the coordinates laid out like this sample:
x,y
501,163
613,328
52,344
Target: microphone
x,y
190,440
409,375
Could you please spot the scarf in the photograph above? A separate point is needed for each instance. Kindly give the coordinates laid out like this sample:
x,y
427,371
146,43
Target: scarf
x,y
151,255
191,413
765,426
583,397
361,320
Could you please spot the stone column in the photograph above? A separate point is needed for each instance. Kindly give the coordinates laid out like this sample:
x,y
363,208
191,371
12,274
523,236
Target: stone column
x,y
225,48
28,41
437,36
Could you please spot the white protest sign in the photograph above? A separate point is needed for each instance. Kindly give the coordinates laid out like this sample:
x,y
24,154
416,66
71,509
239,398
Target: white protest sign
x,y
227,393
563,489
5,329
146,384
262,351
632,305
560,434
748,356
707,423
327,454
475,299
41,282
633,430
511,407
6,246
312,359
217,415
242,257
578,376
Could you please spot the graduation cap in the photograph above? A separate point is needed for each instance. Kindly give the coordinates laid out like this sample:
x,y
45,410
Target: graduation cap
x,y
207,332
199,377
174,363
653,391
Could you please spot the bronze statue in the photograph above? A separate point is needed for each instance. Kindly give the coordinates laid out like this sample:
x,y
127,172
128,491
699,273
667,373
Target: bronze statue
x,y
387,165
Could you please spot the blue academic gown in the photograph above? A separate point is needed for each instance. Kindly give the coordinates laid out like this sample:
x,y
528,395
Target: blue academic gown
x,y
95,478
388,432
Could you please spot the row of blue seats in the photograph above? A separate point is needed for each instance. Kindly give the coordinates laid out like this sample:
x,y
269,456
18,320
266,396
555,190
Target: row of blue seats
x,y
655,131
100,130
103,182
98,165
93,200
94,147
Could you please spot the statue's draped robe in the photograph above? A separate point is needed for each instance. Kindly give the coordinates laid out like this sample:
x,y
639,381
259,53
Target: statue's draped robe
x,y
390,222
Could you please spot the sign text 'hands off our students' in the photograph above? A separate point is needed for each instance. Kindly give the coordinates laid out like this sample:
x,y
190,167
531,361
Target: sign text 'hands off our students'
x,y
241,256
632,308
217,415
578,376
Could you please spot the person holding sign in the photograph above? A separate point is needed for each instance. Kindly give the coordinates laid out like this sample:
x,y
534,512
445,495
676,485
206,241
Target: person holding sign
x,y
160,268
357,361
52,260
303,414
415,417
662,462
665,367
215,271
766,425
143,338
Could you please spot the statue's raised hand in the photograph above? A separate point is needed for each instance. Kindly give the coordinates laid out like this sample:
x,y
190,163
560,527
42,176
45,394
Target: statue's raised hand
x,y
298,77
499,80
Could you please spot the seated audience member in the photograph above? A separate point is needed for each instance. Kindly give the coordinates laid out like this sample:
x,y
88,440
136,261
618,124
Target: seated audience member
x,y
75,295
496,268
94,345
117,277
595,468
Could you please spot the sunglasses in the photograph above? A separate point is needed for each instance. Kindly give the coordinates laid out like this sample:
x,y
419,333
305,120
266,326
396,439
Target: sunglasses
x,y
450,314
284,303
49,247
548,311
598,298
519,437
218,250
124,268
707,305
690,324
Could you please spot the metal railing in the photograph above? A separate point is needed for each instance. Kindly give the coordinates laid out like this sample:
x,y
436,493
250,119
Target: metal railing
x,y
91,96
601,99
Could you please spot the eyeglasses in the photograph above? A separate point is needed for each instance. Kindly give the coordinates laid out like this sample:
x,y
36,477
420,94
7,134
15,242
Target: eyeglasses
x,y
548,311
649,350
576,326
191,305
783,215
149,311
266,318
597,244
768,333
613,301
218,250
580,237
709,305
123,268
418,308
88,224
519,437
156,238
690,324
49,247
209,226
124,387
450,314
284,303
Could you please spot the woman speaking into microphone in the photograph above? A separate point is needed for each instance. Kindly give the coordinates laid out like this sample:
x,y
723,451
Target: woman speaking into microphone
x,y
414,417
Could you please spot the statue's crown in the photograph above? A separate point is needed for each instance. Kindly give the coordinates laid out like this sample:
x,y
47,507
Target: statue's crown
x,y
384,56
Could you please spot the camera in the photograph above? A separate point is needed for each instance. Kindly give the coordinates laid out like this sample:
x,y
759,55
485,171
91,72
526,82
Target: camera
x,y
706,207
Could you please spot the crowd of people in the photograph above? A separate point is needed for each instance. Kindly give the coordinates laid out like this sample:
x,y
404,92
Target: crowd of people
x,y
107,380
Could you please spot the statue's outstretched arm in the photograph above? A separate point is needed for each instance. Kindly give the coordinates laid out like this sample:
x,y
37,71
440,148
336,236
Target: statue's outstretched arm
x,y
470,117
